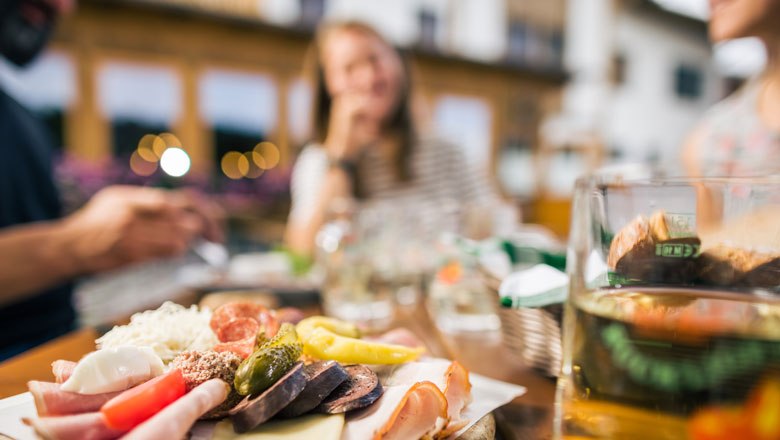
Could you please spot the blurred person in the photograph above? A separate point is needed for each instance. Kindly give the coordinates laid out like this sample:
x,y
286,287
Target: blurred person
x,y
39,251
366,145
740,136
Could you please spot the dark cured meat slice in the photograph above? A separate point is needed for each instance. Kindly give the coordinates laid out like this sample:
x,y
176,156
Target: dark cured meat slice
x,y
321,379
255,410
238,329
360,390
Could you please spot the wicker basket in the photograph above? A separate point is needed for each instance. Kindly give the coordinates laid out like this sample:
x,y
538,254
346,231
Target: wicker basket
x,y
532,335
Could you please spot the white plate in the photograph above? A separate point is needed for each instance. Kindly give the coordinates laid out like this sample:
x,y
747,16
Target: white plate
x,y
12,409
488,394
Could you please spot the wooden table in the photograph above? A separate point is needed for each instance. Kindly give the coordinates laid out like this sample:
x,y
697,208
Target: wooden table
x,y
528,417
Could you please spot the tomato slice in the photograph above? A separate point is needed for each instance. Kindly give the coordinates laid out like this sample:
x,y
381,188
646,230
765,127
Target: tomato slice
x,y
139,403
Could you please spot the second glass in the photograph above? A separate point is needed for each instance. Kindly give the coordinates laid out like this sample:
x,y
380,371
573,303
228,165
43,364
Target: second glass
x,y
672,328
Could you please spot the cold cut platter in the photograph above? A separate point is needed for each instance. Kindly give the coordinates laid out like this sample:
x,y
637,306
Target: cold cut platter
x,y
245,371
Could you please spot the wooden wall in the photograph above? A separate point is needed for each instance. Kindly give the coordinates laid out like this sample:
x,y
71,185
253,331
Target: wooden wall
x,y
190,42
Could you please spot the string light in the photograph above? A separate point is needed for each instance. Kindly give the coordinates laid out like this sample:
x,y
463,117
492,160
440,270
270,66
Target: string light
x,y
140,166
270,154
148,145
233,163
175,162
256,165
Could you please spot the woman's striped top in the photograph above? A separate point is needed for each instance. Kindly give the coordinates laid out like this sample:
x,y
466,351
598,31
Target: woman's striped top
x,y
440,175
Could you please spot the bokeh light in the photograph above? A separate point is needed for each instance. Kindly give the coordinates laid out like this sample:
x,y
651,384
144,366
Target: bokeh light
x,y
175,162
257,159
148,145
256,165
169,140
234,165
141,166
270,154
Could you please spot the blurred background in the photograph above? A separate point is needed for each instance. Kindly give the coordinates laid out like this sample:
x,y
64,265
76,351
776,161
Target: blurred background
x,y
212,94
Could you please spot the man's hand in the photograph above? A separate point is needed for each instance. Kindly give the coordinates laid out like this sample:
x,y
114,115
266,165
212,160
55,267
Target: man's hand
x,y
122,225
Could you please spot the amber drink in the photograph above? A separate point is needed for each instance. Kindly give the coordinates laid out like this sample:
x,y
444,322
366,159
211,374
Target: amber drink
x,y
671,332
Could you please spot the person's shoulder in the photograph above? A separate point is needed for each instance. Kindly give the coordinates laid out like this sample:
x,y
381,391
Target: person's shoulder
x,y
312,159
312,150
735,104
312,154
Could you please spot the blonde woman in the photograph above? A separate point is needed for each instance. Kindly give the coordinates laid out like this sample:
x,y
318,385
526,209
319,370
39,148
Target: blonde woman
x,y
365,143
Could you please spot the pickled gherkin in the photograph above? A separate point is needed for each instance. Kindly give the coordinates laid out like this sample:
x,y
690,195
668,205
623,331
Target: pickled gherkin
x,y
268,363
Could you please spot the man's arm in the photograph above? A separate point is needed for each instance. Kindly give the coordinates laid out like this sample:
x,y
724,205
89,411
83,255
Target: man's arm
x,y
120,225
34,257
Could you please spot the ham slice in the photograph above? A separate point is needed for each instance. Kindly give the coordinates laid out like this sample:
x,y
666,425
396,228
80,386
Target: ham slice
x,y
398,336
457,390
87,426
62,370
401,413
176,419
422,413
450,377
50,400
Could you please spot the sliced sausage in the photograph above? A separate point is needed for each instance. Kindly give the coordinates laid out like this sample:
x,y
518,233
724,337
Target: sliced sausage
x,y
321,379
361,389
255,410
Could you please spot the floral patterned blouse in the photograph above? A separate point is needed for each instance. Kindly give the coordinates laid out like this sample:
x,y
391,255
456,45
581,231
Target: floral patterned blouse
x,y
735,141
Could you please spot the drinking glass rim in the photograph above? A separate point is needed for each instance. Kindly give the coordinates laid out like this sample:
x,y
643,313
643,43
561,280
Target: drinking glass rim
x,y
753,295
619,181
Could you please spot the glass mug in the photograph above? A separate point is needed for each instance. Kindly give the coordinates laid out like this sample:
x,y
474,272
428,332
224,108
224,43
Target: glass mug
x,y
375,259
672,326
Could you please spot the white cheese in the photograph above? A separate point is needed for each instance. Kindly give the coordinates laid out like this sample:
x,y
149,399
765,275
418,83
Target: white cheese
x,y
113,369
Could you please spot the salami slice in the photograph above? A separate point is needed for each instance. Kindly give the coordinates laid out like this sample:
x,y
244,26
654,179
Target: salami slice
x,y
242,348
238,329
225,313
269,323
238,309
289,314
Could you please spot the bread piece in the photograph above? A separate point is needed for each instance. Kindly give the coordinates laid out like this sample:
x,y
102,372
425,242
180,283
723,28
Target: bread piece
x,y
766,275
724,265
632,242
642,251
658,227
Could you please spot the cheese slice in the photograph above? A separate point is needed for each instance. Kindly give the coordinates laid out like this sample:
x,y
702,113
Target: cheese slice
x,y
314,426
113,369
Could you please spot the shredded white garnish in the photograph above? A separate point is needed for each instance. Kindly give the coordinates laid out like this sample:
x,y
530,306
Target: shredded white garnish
x,y
169,330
